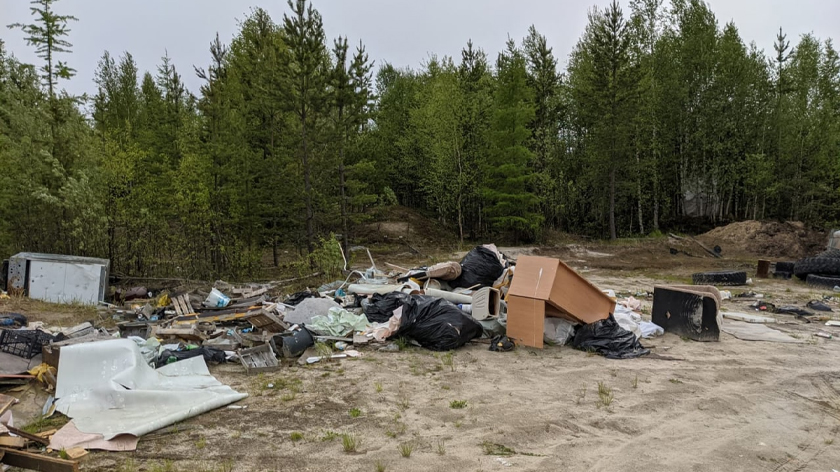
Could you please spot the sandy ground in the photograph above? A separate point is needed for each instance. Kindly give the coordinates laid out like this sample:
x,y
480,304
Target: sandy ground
x,y
730,405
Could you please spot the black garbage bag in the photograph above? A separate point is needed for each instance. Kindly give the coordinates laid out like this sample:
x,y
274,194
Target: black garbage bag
x,y
210,355
792,310
606,337
479,267
295,298
434,323
381,307
437,324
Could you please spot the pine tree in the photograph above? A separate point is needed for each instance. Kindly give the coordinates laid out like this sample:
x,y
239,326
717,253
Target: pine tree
x,y
47,35
511,206
544,79
306,74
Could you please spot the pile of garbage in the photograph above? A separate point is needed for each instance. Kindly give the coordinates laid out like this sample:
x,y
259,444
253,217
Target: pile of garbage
x,y
151,371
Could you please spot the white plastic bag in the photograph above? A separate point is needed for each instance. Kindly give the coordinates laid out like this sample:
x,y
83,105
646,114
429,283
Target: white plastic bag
x,y
558,331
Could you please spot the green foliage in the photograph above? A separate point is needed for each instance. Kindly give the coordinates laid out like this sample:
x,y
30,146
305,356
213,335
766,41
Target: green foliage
x,y
289,144
511,207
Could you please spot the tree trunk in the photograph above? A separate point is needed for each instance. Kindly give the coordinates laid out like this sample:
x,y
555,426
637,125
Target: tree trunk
x,y
345,238
612,204
639,190
307,189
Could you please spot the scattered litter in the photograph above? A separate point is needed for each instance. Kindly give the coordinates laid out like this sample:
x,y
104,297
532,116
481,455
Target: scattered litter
x,y
217,299
650,329
338,322
823,334
501,344
308,308
558,331
818,306
609,339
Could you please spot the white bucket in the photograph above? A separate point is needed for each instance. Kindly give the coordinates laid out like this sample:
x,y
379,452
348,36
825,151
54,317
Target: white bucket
x,y
217,299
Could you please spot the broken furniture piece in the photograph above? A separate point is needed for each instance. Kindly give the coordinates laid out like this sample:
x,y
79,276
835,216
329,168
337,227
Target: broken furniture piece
x,y
543,287
691,311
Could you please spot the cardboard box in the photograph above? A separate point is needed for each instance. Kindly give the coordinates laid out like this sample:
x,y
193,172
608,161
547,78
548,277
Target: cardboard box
x,y
543,287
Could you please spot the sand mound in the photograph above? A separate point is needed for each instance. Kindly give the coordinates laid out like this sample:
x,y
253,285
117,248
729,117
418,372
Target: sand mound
x,y
791,239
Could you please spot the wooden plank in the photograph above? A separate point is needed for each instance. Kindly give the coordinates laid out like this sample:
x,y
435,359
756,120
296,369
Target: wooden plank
x,y
12,441
76,452
31,437
6,402
28,460
713,253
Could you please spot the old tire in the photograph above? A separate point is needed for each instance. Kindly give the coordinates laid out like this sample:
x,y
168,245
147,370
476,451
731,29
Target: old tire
x,y
819,281
785,266
782,275
719,278
831,253
817,265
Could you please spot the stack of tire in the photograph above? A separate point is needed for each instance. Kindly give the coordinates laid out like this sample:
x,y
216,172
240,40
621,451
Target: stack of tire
x,y
821,271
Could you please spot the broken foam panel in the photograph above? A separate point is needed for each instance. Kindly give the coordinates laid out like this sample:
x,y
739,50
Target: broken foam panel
x,y
688,310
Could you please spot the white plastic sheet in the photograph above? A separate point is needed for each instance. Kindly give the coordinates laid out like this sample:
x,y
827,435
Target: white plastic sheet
x,y
108,389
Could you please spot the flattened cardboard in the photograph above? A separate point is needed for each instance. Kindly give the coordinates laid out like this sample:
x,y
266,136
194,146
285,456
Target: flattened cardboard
x,y
543,287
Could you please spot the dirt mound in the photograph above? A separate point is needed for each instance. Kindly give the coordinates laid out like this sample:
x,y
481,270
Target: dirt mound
x,y
791,239
400,225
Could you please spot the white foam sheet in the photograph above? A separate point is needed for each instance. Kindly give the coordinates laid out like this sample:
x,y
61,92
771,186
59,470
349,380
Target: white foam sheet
x,y
108,389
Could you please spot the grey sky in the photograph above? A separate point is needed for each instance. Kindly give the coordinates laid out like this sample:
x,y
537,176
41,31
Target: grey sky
x,y
401,32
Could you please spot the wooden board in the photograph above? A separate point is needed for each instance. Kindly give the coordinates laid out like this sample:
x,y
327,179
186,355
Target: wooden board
x,y
31,437
12,441
28,460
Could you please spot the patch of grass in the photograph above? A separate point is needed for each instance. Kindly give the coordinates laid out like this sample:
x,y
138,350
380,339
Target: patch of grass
x,y
445,387
458,404
448,360
63,454
605,395
379,466
458,424
441,447
43,423
636,382
296,436
355,413
128,466
323,350
378,387
675,381
201,443
402,343
350,442
403,401
167,466
329,436
236,434
493,449
829,442
287,397
406,449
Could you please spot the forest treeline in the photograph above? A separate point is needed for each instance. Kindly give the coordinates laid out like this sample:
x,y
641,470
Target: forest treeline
x,y
661,115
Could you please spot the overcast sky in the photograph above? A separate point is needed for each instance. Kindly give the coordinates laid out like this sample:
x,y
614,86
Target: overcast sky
x,y
401,32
